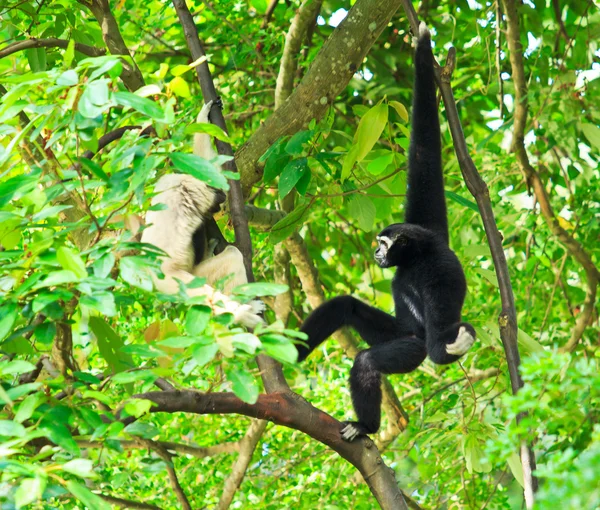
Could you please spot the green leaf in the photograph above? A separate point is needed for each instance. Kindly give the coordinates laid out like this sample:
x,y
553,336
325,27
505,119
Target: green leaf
x,y
103,266
29,491
83,468
16,367
57,278
379,164
37,59
8,316
142,429
369,129
295,145
462,201
199,168
180,87
363,210
252,290
68,78
288,224
71,261
210,129
110,345
11,429
280,349
529,344
197,319
101,301
138,407
291,174
134,376
134,271
349,162
246,342
28,406
592,133
243,384
94,168
400,109
514,462
203,354
87,497
140,104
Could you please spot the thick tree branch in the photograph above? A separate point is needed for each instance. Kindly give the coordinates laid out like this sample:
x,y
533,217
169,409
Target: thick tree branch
x,y
339,58
513,38
111,34
508,317
51,42
291,410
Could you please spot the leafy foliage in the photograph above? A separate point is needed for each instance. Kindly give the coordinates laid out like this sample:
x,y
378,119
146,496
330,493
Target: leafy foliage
x,y
81,329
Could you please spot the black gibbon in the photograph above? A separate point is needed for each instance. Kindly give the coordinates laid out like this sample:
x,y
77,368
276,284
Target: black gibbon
x,y
429,286
180,230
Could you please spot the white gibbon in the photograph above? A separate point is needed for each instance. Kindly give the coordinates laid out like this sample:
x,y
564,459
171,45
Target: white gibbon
x,y
180,231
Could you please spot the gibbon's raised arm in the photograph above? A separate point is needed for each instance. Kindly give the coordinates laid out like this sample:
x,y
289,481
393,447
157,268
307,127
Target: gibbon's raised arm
x,y
179,229
425,200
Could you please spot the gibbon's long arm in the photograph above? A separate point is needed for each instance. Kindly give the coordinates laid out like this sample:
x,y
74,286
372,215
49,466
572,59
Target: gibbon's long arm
x,y
425,201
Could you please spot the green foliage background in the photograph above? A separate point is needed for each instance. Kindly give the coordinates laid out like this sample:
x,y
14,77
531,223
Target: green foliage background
x,y
71,270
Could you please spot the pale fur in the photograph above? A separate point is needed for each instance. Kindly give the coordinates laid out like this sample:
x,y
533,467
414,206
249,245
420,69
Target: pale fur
x,y
187,202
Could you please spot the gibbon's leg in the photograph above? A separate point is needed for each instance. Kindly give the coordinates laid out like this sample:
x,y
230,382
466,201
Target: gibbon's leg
x,y
425,199
399,356
373,325
230,262
449,344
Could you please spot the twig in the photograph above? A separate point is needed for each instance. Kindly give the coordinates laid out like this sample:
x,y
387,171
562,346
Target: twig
x,y
238,470
168,460
51,42
199,452
127,503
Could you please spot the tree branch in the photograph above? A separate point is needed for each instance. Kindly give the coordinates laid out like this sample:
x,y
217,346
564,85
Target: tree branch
x,y
51,42
127,503
168,460
508,317
199,452
305,15
238,470
339,58
111,34
209,93
513,38
262,219
291,410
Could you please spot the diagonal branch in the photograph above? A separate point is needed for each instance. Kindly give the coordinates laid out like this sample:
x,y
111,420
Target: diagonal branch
x,y
333,67
290,410
513,38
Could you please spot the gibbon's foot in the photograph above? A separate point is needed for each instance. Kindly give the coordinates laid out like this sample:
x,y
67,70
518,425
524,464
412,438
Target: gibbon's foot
x,y
464,340
423,30
248,314
351,430
204,112
219,102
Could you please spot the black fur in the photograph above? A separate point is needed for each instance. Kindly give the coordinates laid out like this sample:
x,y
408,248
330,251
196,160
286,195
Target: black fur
x,y
429,286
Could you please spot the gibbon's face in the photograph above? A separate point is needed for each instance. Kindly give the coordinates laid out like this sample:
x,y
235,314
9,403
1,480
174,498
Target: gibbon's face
x,y
390,238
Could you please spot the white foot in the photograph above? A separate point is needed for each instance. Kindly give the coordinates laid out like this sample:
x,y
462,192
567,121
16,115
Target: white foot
x,y
423,30
350,432
464,341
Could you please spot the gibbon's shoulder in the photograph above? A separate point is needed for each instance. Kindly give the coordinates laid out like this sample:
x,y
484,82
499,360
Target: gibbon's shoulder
x,y
175,188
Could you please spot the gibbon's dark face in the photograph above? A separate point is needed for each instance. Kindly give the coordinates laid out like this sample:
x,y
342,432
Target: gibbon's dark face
x,y
390,239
